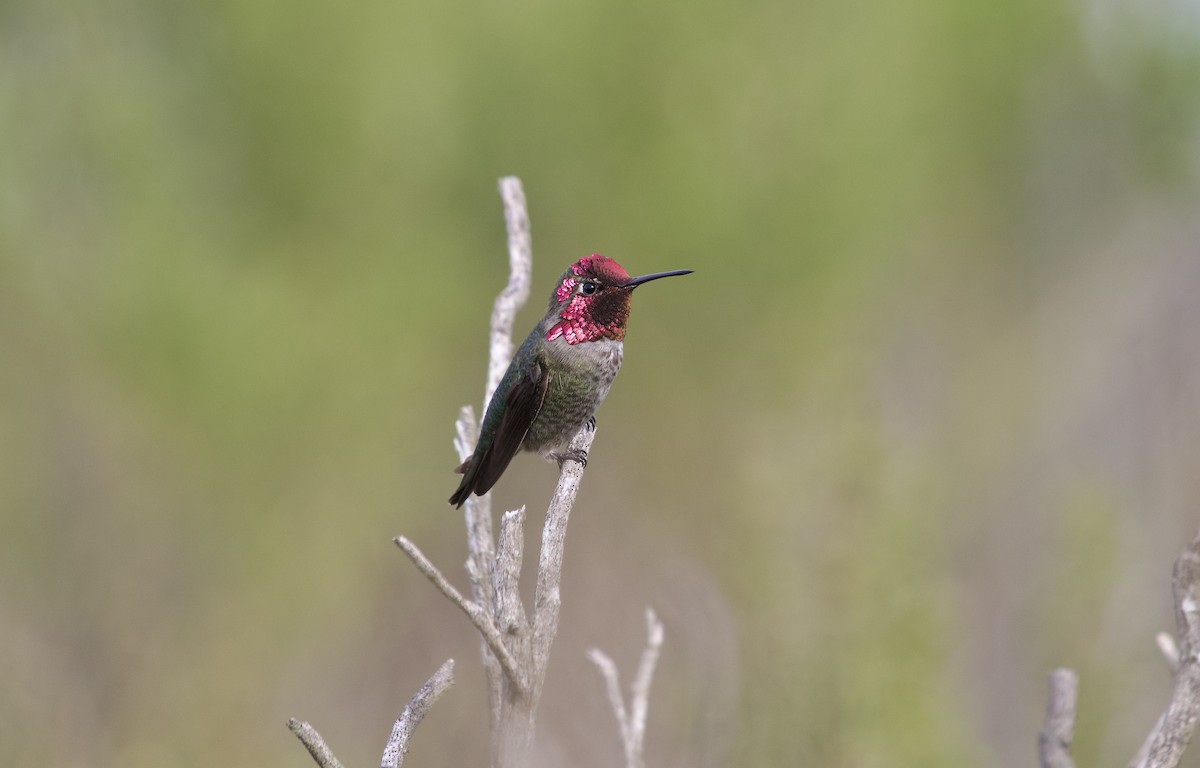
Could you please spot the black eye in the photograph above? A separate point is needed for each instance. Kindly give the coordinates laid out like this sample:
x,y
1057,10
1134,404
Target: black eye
x,y
587,289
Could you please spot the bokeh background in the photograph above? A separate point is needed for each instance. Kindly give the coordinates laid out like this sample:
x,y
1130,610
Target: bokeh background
x,y
923,425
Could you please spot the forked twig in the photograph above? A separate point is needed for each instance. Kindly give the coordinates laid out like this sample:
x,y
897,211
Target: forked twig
x,y
479,617
631,722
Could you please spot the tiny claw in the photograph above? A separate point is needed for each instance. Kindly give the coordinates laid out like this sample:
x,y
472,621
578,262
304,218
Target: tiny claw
x,y
579,456
591,423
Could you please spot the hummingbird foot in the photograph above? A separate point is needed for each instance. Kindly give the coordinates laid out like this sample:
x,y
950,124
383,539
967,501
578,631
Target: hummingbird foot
x,y
591,423
565,456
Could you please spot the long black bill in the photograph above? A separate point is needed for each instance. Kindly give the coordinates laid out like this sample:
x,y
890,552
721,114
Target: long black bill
x,y
636,281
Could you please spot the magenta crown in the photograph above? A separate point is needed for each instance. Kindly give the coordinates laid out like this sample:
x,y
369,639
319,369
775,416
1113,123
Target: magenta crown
x,y
601,268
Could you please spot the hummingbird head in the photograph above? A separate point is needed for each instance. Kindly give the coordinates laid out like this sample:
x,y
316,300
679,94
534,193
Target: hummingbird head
x,y
593,298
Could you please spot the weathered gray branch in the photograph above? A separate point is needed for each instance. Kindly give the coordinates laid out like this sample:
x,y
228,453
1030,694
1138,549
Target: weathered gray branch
x,y
514,295
480,618
414,713
631,723
547,599
1054,742
507,576
1139,760
313,742
1174,730
481,562
397,743
535,637
1170,653
481,558
640,688
1164,746
516,648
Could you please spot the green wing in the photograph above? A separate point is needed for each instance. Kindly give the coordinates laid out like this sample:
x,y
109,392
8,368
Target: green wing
x,y
520,407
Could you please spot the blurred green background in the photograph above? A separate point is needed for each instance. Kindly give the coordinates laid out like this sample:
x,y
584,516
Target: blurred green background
x,y
924,424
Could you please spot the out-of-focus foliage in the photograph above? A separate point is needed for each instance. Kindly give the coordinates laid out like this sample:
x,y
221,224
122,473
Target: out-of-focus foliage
x,y
922,426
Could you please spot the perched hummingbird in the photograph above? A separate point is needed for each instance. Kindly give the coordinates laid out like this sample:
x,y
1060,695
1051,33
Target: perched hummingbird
x,y
559,375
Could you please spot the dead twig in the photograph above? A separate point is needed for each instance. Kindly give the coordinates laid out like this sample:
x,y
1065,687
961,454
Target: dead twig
x,y
313,742
480,618
1167,740
414,713
631,722
1054,742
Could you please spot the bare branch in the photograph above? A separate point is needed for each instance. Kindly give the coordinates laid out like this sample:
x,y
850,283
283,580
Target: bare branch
x,y
640,690
313,742
478,512
546,599
632,723
1139,760
433,574
1054,742
508,571
1171,736
465,433
477,516
612,686
480,618
512,298
414,713
482,559
1170,653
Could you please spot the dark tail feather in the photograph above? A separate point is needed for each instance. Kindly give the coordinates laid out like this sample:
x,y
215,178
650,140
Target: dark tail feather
x,y
469,469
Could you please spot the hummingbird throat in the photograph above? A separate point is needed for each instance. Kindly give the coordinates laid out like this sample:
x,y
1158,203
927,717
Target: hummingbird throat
x,y
585,318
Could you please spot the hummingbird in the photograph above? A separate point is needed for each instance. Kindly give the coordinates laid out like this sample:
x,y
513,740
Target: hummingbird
x,y
559,375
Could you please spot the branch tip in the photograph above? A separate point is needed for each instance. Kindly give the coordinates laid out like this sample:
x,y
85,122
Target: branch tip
x,y
414,713
1169,650
313,742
